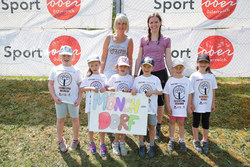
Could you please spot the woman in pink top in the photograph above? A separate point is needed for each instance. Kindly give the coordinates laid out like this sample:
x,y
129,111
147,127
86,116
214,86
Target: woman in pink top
x,y
158,47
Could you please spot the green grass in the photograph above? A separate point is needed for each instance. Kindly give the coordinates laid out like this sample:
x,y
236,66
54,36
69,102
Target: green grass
x,y
28,132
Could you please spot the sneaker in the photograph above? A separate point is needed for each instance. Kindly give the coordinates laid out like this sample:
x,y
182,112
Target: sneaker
x,y
183,147
171,145
142,151
197,146
116,150
103,150
205,147
74,145
151,152
62,145
123,149
92,148
158,133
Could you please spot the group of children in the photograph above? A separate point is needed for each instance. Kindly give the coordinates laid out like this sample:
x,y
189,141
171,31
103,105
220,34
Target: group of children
x,y
182,95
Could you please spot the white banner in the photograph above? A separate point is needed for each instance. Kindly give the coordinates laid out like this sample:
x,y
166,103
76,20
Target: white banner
x,y
119,112
56,13
189,13
34,53
229,49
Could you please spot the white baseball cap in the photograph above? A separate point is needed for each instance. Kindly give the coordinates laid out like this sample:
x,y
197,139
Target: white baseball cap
x,y
123,61
177,62
66,50
93,58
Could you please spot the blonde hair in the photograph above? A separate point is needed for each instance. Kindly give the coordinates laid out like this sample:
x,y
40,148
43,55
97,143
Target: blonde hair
x,y
123,19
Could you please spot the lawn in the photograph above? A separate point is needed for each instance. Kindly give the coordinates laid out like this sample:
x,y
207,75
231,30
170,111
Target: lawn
x,y
28,132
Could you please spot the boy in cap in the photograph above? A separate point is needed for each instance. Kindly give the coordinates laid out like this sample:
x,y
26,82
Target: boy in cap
x,y
149,85
177,92
64,82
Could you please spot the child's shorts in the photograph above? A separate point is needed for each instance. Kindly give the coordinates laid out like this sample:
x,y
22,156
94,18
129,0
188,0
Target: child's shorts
x,y
63,108
152,119
179,118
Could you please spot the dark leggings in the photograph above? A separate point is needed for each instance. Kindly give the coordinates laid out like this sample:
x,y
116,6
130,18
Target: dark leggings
x,y
204,119
163,76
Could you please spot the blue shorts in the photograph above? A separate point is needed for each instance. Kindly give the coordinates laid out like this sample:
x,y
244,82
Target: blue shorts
x,y
63,108
152,119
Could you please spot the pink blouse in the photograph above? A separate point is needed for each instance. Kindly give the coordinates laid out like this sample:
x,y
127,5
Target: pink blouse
x,y
155,50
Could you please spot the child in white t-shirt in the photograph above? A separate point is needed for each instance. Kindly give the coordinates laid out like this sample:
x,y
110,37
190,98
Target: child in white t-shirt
x,y
64,82
149,85
177,92
121,82
204,85
94,82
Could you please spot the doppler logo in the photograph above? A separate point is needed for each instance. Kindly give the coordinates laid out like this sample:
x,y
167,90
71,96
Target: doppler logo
x,y
56,44
218,9
220,50
63,9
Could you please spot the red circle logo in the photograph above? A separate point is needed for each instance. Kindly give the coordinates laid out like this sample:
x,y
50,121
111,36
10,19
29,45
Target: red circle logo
x,y
63,9
56,44
220,50
218,9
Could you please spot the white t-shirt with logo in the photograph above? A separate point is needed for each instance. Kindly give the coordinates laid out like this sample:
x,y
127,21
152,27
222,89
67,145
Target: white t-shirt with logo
x,y
65,80
203,85
178,90
144,84
121,82
98,81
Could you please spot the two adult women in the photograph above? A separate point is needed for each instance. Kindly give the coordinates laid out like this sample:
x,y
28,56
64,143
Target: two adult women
x,y
158,47
116,45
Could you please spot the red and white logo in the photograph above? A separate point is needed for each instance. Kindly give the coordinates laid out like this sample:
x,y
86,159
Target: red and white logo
x,y
220,50
56,44
63,9
218,9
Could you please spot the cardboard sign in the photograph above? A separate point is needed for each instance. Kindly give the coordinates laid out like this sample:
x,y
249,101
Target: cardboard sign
x,y
119,112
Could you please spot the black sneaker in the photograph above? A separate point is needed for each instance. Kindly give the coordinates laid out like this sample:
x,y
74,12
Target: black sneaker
x,y
142,151
183,147
197,146
171,145
204,147
158,133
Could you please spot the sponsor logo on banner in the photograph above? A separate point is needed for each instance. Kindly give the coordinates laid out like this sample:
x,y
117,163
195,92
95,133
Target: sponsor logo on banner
x,y
220,50
56,44
63,9
218,9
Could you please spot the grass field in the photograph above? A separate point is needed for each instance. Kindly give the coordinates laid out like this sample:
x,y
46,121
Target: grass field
x,y
28,132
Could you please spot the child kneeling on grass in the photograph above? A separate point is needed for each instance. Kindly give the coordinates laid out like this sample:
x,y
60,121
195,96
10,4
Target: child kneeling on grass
x,y
64,82
149,85
178,99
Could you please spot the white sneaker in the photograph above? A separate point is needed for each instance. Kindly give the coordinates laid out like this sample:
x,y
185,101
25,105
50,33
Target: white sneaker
x,y
123,149
116,150
62,145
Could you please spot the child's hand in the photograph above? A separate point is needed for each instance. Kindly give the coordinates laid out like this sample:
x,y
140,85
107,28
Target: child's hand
x,y
169,111
126,90
133,92
149,93
111,89
57,100
77,102
189,110
213,108
103,90
95,90
192,108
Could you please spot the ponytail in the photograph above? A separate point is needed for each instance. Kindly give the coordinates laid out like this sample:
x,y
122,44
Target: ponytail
x,y
89,72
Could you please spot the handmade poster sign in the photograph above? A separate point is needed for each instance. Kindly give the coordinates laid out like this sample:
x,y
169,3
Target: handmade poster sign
x,y
119,112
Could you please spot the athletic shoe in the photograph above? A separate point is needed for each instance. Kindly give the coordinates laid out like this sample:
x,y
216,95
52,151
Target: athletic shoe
x,y
142,151
197,146
171,145
158,133
116,150
183,147
123,149
74,145
62,145
205,147
92,148
151,152
103,150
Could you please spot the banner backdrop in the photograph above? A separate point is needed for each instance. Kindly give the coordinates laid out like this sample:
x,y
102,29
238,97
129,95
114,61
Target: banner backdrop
x,y
119,112
189,13
56,13
34,52
229,49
